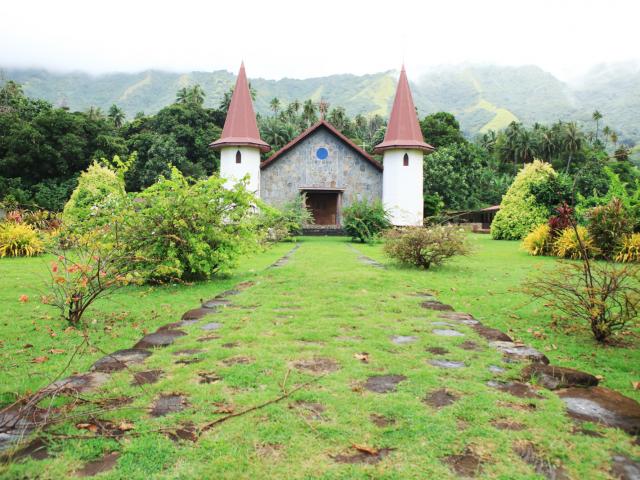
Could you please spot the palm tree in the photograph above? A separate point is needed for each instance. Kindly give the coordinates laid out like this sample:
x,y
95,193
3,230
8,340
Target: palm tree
x,y
548,146
116,115
182,96
571,141
338,118
596,115
606,132
509,149
274,104
525,146
196,95
309,112
95,113
488,140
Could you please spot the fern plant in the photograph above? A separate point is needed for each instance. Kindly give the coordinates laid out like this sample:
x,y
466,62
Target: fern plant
x,y
365,221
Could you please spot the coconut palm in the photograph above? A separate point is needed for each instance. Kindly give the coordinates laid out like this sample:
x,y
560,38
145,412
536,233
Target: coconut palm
x,y
182,96
571,141
309,112
196,95
596,115
274,104
116,115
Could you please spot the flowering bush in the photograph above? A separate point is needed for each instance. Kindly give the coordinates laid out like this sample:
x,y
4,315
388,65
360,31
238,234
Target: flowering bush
x,y
19,240
85,273
539,240
424,247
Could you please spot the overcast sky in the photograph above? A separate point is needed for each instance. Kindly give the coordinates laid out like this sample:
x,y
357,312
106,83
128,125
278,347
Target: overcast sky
x,y
304,38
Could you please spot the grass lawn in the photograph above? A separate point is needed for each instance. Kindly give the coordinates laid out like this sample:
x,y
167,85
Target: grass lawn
x,y
324,308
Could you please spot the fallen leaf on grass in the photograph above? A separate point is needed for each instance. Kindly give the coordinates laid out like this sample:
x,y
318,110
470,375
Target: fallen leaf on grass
x,y
39,359
363,357
125,426
365,449
57,350
27,345
24,298
87,426
636,385
224,408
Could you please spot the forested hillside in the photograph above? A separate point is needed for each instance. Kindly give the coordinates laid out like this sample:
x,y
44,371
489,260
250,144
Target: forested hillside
x,y
481,97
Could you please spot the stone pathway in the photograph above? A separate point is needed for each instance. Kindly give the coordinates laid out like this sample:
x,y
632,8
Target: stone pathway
x,y
538,379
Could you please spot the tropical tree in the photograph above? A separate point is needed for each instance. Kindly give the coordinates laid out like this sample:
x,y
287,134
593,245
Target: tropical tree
x,y
274,104
309,112
572,141
116,115
597,116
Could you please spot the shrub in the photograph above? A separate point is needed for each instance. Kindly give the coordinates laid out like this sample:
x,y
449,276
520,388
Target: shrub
x,y
364,221
562,220
284,224
629,250
567,245
424,247
539,241
92,269
19,240
608,224
604,295
183,230
94,200
519,211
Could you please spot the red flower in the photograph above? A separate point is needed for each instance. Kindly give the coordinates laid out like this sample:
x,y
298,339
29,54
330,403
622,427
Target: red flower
x,y
24,298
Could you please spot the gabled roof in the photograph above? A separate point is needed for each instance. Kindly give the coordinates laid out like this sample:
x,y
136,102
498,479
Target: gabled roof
x,y
309,131
403,130
240,126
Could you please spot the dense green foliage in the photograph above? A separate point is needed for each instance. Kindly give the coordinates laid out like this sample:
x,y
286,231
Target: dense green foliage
x,y
364,221
94,200
481,97
425,247
286,222
519,211
188,230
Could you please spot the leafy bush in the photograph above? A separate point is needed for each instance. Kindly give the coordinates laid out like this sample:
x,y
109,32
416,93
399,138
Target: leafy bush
x,y
183,230
629,250
608,224
519,211
559,222
19,240
364,221
539,241
94,200
283,224
424,247
567,244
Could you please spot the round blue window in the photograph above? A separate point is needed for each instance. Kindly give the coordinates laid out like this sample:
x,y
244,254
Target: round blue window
x,y
322,153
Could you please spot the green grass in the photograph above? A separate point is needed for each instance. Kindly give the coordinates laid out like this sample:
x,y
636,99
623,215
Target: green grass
x,y
323,303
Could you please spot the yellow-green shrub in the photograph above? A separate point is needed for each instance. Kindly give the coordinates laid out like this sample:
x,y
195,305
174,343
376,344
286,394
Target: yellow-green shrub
x,y
539,241
19,240
629,249
567,245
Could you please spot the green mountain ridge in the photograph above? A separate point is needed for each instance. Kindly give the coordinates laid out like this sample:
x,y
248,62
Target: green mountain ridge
x,y
482,97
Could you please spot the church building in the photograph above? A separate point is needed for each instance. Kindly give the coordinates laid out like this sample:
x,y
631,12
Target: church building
x,y
325,165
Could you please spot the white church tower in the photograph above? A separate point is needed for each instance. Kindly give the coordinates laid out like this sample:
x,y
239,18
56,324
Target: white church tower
x,y
403,149
240,144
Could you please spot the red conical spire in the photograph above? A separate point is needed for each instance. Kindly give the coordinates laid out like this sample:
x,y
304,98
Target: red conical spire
x,y
403,130
240,127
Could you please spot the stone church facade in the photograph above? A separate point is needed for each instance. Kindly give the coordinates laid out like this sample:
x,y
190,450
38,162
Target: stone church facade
x,y
326,166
